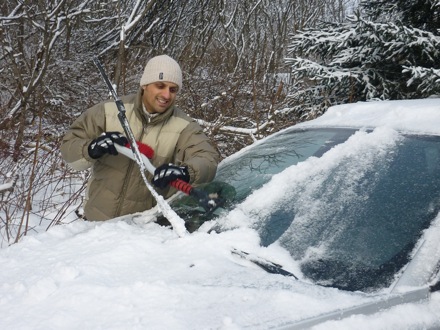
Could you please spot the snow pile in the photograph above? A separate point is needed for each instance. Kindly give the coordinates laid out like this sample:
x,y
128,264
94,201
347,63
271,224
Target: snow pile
x,y
120,275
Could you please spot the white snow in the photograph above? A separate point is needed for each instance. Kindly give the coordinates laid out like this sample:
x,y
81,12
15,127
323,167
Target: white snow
x,y
130,273
6,186
421,116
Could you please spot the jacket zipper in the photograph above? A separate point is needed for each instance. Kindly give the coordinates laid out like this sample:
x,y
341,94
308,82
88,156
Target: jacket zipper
x,y
126,181
124,188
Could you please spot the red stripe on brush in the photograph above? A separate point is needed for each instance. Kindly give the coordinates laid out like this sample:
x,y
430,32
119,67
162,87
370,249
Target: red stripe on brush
x,y
182,186
144,149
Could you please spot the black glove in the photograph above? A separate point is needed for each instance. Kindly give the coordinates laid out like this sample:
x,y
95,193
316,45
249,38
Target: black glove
x,y
167,173
105,144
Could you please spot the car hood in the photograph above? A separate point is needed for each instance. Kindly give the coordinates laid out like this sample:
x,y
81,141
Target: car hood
x,y
130,272
254,298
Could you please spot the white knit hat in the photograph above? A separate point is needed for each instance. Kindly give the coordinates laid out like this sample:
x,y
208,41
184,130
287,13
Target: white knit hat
x,y
162,68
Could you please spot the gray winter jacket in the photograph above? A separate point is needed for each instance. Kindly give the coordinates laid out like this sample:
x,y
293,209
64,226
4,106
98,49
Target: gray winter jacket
x,y
115,187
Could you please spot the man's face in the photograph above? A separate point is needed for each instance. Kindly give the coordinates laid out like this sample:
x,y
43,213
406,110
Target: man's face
x,y
159,96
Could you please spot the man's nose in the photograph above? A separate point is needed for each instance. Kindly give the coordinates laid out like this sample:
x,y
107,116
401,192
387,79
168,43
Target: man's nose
x,y
166,93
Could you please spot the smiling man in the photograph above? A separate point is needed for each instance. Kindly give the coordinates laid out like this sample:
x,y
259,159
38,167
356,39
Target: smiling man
x,y
181,149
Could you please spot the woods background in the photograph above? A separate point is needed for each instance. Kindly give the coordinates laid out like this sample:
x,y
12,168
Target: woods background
x,y
250,68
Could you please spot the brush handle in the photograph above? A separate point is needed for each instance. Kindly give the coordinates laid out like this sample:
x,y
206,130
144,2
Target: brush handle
x,y
129,153
202,197
178,184
182,186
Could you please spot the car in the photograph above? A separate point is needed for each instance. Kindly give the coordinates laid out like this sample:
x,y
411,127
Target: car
x,y
353,196
329,224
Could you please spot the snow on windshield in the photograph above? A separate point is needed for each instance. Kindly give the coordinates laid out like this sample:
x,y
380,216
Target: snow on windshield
x,y
335,212
300,183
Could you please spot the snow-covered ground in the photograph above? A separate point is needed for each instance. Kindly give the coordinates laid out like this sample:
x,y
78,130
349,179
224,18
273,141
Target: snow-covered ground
x,y
130,273
119,275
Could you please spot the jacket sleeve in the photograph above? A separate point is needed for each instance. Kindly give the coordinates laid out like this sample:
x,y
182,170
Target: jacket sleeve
x,y
83,130
195,150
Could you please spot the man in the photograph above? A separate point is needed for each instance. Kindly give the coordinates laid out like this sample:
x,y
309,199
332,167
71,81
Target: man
x,y
181,149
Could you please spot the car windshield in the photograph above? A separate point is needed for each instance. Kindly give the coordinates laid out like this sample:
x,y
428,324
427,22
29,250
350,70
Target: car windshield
x,y
255,167
351,217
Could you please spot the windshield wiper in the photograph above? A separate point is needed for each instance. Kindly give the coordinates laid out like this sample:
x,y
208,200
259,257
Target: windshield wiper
x,y
267,265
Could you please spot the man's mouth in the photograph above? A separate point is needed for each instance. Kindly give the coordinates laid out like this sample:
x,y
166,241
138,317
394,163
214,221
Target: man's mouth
x,y
163,102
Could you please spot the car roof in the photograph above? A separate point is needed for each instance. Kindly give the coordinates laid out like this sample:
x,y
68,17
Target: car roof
x,y
419,116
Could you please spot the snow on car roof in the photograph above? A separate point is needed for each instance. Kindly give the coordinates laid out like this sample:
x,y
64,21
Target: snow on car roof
x,y
414,116
420,116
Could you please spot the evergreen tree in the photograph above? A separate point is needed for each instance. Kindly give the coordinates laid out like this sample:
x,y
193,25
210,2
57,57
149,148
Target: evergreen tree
x,y
421,14
389,50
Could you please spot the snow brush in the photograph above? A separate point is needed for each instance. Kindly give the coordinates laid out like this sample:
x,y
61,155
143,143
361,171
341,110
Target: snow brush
x,y
209,202
177,222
